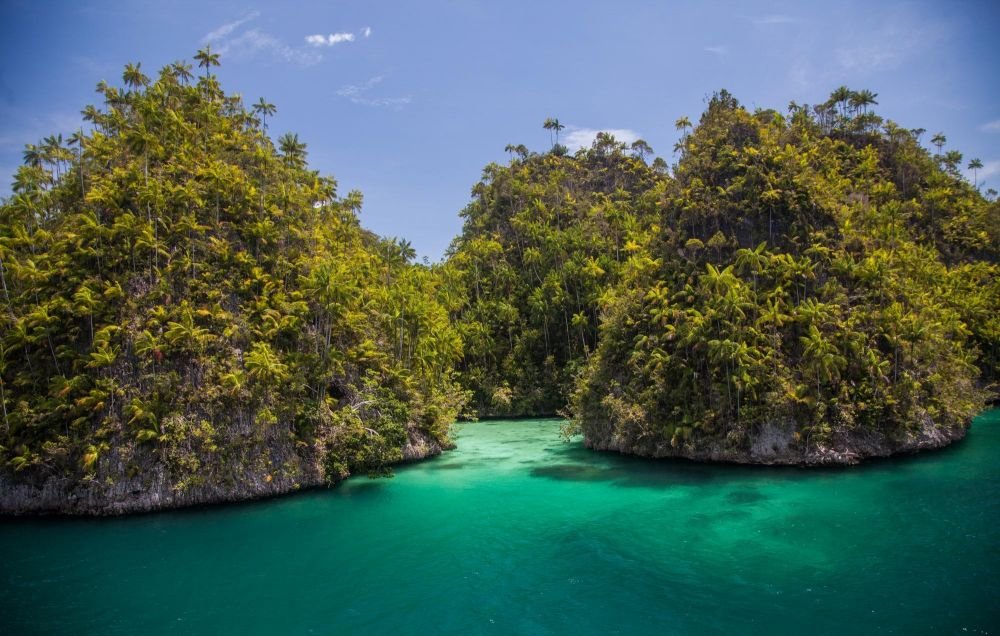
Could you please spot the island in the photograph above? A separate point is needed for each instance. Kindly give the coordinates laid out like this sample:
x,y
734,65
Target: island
x,y
191,315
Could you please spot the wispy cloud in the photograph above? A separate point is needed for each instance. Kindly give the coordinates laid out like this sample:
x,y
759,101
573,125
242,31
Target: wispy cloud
x,y
231,39
991,127
875,46
360,94
23,126
773,19
229,27
255,41
367,32
717,50
329,40
888,46
578,138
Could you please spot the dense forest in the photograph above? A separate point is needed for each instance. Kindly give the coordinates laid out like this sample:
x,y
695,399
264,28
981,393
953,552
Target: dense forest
x,y
192,314
545,239
820,289
804,287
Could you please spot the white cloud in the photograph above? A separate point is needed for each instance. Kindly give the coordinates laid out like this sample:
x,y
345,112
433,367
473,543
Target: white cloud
x,y
253,41
329,40
773,19
358,94
355,90
228,28
991,127
578,138
228,39
367,32
337,38
717,50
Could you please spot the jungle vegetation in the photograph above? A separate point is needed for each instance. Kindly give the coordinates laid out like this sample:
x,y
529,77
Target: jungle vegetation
x,y
175,283
816,269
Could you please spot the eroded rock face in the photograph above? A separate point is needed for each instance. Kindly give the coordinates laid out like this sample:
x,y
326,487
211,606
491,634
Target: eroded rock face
x,y
133,480
775,443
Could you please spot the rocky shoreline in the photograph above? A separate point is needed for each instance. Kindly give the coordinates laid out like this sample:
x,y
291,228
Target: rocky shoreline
x,y
776,444
241,480
238,479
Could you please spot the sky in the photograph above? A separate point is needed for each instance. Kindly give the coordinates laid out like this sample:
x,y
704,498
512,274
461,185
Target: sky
x,y
407,102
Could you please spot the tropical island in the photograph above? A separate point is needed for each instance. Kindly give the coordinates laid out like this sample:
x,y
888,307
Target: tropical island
x,y
192,315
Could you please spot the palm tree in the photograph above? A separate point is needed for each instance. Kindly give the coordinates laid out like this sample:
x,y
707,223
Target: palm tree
x,y
55,152
952,160
134,77
717,281
264,364
33,155
186,334
939,140
182,70
641,149
293,149
552,124
139,140
841,96
207,59
861,100
822,355
77,139
406,250
975,165
683,124
755,260
264,109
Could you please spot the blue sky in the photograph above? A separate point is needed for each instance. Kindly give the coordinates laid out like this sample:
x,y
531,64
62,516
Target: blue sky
x,y
408,101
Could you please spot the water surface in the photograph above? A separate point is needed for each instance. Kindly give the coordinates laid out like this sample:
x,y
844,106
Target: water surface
x,y
519,532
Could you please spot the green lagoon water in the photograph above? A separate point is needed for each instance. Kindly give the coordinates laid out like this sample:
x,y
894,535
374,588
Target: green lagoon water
x,y
517,532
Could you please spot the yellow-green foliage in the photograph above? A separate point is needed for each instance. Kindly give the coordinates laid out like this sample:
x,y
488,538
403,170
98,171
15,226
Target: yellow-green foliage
x,y
544,238
819,270
172,276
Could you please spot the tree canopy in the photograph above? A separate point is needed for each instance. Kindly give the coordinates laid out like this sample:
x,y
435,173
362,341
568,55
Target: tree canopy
x,y
185,300
181,297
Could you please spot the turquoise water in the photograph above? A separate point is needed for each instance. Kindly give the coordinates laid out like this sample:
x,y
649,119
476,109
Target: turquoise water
x,y
518,532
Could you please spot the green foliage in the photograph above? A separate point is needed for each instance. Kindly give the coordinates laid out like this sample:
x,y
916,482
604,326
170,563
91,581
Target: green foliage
x,y
544,239
179,288
179,291
819,271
